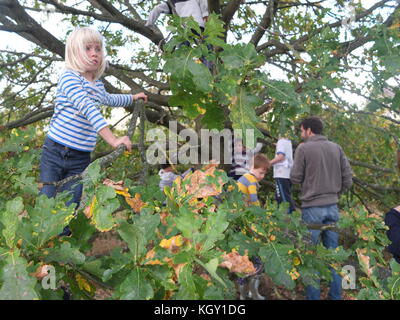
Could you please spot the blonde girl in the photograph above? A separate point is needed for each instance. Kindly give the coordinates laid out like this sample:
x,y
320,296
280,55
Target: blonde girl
x,y
77,120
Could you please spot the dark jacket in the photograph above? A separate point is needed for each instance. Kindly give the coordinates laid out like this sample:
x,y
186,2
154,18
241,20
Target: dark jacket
x,y
392,220
323,171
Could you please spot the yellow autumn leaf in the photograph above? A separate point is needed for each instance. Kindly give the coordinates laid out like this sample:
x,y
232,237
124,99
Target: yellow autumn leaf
x,y
294,274
172,243
296,261
83,284
89,209
124,192
201,110
177,241
165,243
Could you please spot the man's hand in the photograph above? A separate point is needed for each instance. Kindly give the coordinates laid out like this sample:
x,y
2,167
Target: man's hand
x,y
140,95
397,208
123,140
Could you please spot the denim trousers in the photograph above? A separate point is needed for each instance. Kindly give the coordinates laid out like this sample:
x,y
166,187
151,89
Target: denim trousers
x,y
330,239
59,162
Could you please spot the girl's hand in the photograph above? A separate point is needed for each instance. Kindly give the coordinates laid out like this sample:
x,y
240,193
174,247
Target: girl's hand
x,y
123,140
140,95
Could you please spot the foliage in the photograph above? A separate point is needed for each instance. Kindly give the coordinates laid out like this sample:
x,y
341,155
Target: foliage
x,y
184,250
180,245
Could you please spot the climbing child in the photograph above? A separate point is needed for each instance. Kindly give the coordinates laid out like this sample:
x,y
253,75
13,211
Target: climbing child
x,y
77,120
198,9
248,183
168,176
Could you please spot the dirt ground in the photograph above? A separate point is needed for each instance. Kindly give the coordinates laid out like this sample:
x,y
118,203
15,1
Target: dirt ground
x,y
102,245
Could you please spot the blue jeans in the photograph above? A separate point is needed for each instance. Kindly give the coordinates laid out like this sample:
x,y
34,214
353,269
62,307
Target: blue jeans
x,y
330,239
59,162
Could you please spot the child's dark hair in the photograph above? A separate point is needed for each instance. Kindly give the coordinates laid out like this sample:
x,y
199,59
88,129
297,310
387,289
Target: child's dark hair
x,y
165,165
314,123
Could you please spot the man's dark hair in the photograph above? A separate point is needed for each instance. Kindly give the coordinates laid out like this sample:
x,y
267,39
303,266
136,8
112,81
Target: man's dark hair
x,y
314,123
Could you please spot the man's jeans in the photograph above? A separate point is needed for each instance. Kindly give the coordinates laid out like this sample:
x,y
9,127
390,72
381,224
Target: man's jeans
x,y
324,215
59,162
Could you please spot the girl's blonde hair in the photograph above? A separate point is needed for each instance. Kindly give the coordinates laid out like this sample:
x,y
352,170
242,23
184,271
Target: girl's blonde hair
x,y
75,51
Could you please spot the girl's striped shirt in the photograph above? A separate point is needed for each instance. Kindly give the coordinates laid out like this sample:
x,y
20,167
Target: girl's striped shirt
x,y
77,119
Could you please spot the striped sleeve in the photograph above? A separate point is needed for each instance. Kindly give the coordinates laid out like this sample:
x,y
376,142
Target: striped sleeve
x,y
71,86
113,100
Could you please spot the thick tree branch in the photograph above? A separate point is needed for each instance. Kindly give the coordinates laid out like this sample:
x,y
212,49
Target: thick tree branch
x,y
142,76
298,44
230,10
214,6
156,98
29,119
114,16
371,166
266,21
376,186
349,46
36,33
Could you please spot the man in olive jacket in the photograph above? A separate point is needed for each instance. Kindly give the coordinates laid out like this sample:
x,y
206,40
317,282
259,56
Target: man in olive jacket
x,y
324,172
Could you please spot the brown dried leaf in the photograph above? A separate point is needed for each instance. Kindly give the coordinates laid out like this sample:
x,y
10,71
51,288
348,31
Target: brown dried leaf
x,y
89,209
41,271
23,214
136,203
178,268
364,261
234,262
198,186
116,185
163,217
